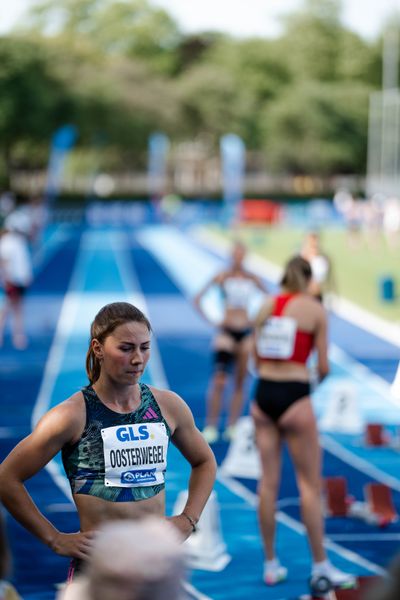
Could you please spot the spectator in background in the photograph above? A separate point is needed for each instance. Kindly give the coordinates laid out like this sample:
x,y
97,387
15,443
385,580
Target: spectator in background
x,y
15,274
7,205
352,213
322,281
7,591
132,560
391,221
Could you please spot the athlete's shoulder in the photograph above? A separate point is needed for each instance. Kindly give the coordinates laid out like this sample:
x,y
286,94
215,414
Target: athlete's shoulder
x,y
63,421
68,411
173,408
312,304
163,395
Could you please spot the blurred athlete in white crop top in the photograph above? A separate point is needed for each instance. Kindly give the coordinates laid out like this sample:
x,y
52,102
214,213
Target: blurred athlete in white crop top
x,y
232,342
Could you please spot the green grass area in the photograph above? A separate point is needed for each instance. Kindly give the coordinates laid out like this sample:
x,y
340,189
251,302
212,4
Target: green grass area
x,y
358,264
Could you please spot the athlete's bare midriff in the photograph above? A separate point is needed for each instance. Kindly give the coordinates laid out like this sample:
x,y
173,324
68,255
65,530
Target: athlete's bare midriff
x,y
236,319
93,511
279,370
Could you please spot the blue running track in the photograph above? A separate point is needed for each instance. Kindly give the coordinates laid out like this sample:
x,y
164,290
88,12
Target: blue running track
x,y
159,268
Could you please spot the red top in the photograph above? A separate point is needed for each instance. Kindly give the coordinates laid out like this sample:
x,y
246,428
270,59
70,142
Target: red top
x,y
304,340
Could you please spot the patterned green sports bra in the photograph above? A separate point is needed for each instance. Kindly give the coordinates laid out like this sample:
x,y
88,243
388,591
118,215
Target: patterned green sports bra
x,y
120,457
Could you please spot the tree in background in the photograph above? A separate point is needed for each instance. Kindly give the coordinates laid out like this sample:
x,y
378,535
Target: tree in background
x,y
33,100
124,69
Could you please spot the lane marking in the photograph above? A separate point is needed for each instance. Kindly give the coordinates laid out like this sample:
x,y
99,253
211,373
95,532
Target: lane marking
x,y
365,537
358,463
239,489
194,592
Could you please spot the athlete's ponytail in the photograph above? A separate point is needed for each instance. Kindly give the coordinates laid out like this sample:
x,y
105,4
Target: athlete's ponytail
x,y
107,319
297,275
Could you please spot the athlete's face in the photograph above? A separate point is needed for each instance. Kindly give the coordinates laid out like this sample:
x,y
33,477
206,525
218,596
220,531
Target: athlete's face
x,y
124,354
238,254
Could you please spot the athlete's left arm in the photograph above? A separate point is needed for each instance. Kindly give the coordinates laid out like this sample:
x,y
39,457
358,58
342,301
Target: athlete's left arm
x,y
188,439
321,342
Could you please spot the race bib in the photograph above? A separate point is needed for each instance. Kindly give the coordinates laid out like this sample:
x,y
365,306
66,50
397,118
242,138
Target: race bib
x,y
135,455
276,338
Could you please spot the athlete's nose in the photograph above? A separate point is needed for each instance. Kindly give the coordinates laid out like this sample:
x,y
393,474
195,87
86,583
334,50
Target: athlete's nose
x,y
137,356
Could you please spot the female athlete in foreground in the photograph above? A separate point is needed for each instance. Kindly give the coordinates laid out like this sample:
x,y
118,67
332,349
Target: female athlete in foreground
x,y
114,436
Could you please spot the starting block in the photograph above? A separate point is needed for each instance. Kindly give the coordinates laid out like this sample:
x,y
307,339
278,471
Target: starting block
x,y
380,502
337,500
377,508
375,435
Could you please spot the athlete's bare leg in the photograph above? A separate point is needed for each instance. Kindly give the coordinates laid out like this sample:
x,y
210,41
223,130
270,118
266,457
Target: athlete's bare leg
x,y
300,430
217,388
19,337
268,441
242,356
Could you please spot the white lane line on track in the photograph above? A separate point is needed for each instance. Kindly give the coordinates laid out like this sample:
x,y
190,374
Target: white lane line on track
x,y
54,361
365,537
48,248
376,382
239,489
194,593
131,281
358,463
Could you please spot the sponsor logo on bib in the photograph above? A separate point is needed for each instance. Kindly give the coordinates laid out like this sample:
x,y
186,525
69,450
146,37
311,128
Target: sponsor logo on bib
x,y
138,477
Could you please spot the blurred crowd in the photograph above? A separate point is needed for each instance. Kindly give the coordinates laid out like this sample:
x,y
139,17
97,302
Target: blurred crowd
x,y
370,216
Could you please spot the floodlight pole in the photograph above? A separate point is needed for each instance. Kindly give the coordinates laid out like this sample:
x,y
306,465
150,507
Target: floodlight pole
x,y
390,78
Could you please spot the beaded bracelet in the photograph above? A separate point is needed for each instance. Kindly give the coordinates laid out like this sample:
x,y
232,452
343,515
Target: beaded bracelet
x,y
191,520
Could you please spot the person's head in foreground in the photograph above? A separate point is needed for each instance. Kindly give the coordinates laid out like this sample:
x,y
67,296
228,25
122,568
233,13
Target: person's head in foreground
x,y
133,560
389,586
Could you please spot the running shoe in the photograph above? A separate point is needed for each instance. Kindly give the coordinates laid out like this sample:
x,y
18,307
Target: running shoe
x,y
274,572
229,433
337,577
210,434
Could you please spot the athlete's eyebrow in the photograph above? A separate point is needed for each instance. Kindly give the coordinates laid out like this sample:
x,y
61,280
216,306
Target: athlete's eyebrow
x,y
134,343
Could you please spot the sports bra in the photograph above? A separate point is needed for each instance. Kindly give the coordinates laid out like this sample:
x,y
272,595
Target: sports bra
x,y
303,340
237,291
120,457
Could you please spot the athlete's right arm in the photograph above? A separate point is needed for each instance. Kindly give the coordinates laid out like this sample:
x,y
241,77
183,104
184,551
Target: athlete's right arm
x,y
56,428
198,297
